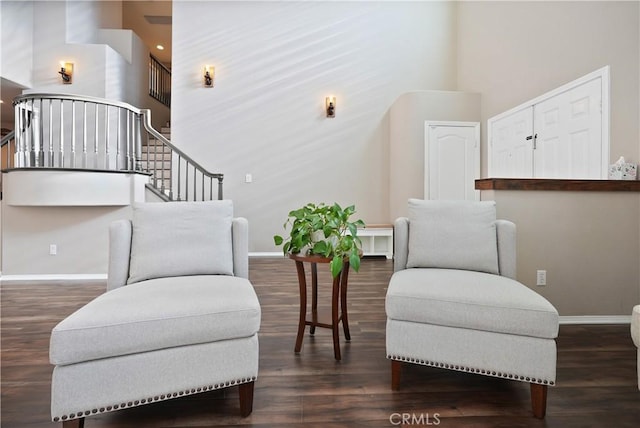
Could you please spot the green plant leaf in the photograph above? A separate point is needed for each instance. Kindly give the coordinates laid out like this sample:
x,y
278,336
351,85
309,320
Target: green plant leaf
x,y
345,244
278,240
320,248
354,260
336,265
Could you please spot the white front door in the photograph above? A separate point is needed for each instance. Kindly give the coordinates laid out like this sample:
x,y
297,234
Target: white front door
x,y
452,160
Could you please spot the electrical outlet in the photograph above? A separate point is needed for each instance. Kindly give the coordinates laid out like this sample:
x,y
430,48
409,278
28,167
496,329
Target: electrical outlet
x,y
541,277
248,178
53,250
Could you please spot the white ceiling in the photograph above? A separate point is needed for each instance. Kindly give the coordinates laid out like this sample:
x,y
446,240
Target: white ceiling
x,y
133,18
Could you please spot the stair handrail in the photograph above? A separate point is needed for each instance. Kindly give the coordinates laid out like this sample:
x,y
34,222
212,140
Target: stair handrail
x,y
5,139
146,114
26,149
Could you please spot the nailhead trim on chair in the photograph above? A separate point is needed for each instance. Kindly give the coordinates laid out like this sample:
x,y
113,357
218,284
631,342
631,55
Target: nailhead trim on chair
x,y
162,397
471,370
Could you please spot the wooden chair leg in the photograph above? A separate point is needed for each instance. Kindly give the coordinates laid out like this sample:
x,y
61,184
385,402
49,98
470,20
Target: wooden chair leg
x,y
396,371
539,400
246,398
74,423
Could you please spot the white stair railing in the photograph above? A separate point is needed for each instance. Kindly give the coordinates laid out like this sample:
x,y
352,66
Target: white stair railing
x,y
79,132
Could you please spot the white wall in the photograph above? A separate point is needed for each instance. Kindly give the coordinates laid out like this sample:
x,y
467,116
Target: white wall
x,y
50,48
514,51
85,18
71,31
99,71
71,210
586,241
275,63
16,49
407,140
80,233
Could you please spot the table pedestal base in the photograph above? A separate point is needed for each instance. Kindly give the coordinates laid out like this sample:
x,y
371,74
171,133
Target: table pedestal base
x,y
338,302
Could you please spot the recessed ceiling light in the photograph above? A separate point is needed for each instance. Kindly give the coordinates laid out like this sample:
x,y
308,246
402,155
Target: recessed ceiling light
x,y
160,47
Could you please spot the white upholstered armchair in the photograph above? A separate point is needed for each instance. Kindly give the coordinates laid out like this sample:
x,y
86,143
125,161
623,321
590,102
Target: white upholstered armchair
x,y
179,316
453,301
635,335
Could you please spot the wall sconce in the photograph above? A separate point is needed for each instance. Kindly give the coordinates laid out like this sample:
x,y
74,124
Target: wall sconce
x,y
330,105
209,75
66,72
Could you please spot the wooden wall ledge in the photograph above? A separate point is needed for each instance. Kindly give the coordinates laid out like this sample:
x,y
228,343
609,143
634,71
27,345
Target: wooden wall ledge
x,y
553,184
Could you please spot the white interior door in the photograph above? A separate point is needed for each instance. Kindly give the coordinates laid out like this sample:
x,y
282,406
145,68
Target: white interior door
x,y
512,145
561,134
452,160
569,134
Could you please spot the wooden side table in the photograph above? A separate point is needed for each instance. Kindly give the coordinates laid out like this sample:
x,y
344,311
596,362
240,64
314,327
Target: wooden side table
x,y
338,301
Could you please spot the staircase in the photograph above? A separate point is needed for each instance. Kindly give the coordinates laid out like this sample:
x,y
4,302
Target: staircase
x,y
72,132
155,158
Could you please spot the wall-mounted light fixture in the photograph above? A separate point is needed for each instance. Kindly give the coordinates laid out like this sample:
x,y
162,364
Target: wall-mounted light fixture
x,y
330,106
66,72
209,75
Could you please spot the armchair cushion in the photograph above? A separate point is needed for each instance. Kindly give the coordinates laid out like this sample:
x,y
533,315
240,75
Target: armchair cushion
x,y
453,235
157,314
635,330
471,300
189,238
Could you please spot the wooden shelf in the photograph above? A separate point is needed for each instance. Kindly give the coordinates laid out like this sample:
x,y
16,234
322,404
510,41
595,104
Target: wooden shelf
x,y
557,184
377,240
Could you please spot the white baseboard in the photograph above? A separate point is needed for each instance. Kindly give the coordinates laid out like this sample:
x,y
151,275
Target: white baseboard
x,y
55,277
266,254
595,319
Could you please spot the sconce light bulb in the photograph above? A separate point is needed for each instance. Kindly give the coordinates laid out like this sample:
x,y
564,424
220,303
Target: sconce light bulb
x,y
330,104
66,70
209,73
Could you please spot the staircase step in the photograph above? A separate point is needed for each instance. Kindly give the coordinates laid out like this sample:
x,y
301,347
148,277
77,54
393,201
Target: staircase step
x,y
155,156
158,183
158,167
153,143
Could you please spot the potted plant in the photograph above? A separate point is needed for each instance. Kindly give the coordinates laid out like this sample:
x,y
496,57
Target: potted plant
x,y
324,230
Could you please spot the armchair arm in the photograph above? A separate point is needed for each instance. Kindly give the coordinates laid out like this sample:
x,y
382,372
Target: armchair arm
x,y
506,231
240,240
119,253
400,243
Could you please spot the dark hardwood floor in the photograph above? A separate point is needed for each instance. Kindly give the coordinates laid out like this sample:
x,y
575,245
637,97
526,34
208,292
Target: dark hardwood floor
x,y
596,382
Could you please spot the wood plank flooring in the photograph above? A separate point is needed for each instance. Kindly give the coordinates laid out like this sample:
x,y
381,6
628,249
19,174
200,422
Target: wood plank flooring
x,y
596,382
